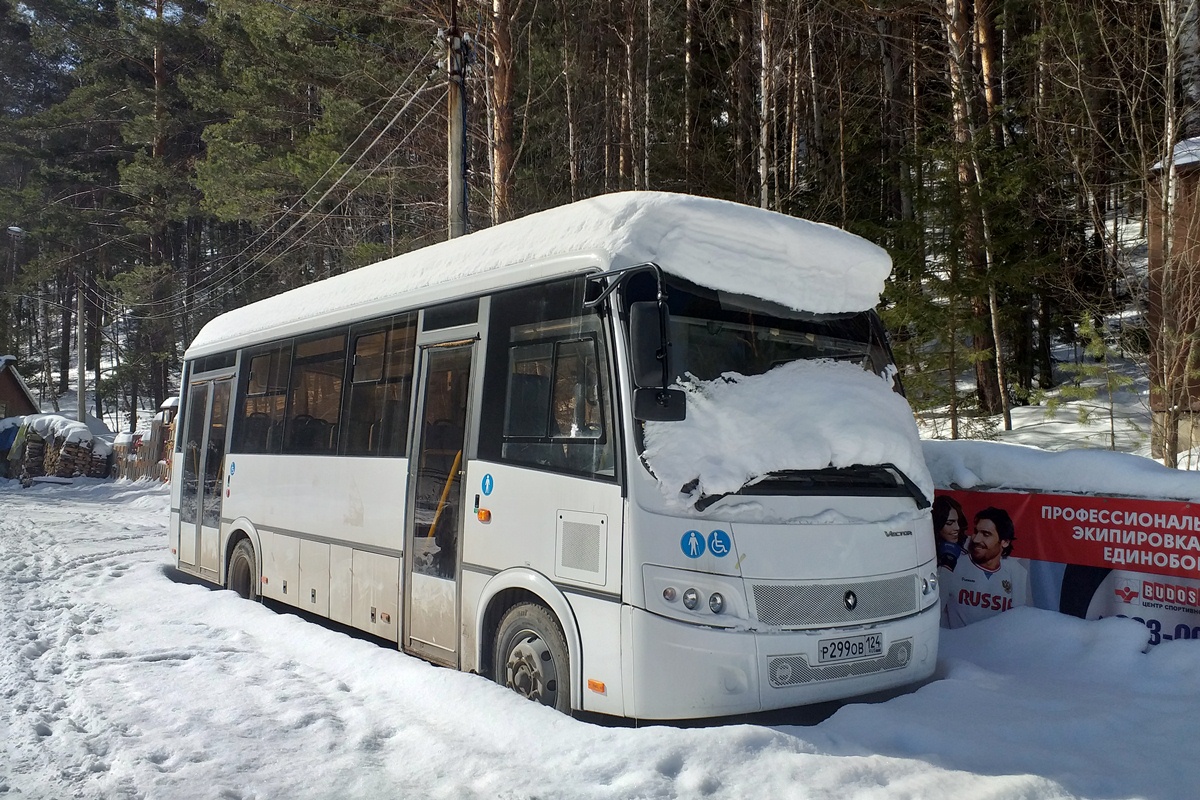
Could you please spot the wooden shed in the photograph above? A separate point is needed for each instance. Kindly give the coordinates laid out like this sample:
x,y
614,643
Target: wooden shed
x,y
15,398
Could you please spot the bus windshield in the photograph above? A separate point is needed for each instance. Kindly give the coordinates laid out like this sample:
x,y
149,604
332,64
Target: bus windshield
x,y
733,343
714,333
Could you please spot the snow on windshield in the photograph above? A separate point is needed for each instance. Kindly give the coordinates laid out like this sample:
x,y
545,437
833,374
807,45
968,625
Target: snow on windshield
x,y
804,415
726,246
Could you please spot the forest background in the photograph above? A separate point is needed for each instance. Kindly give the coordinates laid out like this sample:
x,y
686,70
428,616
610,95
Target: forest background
x,y
169,161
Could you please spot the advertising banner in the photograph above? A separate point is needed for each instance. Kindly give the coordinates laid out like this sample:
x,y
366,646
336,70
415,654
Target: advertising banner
x,y
1090,557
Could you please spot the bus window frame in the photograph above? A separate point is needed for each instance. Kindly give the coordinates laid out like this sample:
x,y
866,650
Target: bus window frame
x,y
498,370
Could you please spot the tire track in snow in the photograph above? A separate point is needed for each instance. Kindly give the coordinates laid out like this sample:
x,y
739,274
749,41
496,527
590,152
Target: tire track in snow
x,y
43,615
90,681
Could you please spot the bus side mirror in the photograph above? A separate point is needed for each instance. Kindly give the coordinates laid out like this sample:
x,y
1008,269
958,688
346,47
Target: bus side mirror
x,y
649,350
650,354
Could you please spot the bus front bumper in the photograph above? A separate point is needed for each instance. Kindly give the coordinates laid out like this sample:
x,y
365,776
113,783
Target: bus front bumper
x,y
683,671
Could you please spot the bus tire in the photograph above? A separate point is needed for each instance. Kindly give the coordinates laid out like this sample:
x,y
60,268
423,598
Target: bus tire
x,y
242,571
531,656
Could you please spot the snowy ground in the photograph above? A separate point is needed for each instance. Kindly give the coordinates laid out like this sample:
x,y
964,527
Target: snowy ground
x,y
120,679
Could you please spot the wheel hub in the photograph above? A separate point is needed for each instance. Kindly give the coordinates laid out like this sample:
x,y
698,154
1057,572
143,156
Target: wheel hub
x,y
531,671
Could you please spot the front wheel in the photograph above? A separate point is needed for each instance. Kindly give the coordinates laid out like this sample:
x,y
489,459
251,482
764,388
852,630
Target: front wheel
x,y
531,656
242,571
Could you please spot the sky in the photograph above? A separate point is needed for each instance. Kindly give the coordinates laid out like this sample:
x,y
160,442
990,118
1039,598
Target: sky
x,y
120,677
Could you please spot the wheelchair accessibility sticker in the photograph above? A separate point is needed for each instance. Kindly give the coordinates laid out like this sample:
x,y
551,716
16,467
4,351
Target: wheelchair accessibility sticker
x,y
693,544
718,543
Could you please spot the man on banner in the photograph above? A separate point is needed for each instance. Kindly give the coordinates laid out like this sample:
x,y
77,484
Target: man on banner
x,y
989,582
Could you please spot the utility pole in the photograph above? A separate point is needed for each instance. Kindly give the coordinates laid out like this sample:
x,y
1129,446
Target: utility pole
x,y
81,413
456,109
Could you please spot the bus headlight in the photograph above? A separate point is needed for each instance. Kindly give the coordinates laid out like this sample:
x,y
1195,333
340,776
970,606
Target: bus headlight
x,y
701,598
929,589
716,603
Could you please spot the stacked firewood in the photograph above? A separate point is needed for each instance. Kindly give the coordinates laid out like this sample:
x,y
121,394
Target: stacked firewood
x,y
74,460
52,455
99,466
49,448
33,465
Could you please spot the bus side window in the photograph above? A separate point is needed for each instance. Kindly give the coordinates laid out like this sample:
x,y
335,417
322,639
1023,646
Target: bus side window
x,y
578,412
528,405
263,393
364,405
546,382
379,387
398,377
576,390
315,394
552,411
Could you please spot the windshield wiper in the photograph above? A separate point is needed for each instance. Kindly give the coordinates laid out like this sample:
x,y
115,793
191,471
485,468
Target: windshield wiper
x,y
831,481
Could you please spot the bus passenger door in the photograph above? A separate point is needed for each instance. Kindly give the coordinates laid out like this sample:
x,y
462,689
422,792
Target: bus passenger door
x,y
435,505
204,444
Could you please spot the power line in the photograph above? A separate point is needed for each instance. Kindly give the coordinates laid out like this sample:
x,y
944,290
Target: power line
x,y
292,245
212,281
329,169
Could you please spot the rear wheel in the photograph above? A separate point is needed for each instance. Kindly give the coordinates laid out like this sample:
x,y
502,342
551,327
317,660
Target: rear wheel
x,y
531,656
242,571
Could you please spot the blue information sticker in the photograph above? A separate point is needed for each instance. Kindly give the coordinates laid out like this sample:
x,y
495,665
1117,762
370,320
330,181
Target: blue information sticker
x,y
488,484
718,543
692,544
232,467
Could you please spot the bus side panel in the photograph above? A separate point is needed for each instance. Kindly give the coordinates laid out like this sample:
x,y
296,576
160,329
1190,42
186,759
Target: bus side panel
x,y
341,584
173,525
173,535
210,549
281,567
314,577
569,530
375,606
355,500
532,514
599,623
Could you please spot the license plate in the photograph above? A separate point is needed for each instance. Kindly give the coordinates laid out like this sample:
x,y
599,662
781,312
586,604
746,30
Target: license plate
x,y
850,648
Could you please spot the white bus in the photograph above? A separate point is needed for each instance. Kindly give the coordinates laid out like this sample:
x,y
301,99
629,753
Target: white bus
x,y
643,455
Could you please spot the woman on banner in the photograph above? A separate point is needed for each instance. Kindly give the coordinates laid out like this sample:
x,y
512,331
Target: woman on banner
x,y
950,526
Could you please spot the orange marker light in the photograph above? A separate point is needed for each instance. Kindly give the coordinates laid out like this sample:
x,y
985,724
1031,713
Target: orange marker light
x,y
596,686
484,515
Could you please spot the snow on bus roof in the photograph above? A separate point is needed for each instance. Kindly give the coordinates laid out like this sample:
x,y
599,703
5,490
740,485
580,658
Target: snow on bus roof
x,y
726,246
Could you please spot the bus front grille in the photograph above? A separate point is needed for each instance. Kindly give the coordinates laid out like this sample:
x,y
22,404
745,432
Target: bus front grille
x,y
787,605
